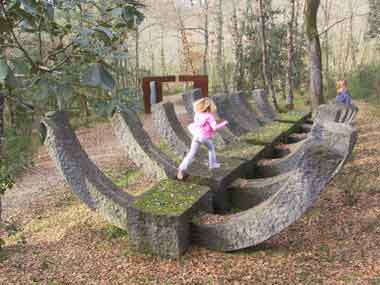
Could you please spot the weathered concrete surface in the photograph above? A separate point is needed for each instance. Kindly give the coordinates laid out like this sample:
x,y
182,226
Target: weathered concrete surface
x,y
338,136
259,223
159,220
235,124
189,98
84,178
336,112
168,127
159,165
273,167
263,105
255,191
244,109
141,150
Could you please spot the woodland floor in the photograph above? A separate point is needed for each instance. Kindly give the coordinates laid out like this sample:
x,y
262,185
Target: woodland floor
x,y
53,239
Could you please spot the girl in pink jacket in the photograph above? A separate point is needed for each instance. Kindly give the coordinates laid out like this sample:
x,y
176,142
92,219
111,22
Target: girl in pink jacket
x,y
203,130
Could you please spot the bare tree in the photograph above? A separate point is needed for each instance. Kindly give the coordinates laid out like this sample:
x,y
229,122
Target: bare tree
x,y
314,52
205,5
237,36
290,44
219,53
265,60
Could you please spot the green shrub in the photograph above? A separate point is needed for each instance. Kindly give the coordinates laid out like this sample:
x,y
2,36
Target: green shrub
x,y
364,84
18,151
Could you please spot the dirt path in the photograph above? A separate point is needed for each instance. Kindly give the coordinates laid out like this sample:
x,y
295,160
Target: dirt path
x,y
42,181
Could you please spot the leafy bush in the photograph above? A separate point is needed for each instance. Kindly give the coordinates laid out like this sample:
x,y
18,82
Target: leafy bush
x,y
17,155
365,83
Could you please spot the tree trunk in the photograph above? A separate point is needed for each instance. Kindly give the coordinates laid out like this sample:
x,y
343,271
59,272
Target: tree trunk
x,y
237,35
264,50
250,31
219,54
2,140
206,37
290,43
314,52
137,59
162,52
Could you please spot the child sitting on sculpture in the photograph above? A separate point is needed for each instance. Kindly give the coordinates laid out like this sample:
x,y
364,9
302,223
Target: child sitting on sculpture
x,y
203,130
344,95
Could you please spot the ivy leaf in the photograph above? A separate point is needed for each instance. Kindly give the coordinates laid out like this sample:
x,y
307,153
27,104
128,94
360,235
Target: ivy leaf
x,y
98,76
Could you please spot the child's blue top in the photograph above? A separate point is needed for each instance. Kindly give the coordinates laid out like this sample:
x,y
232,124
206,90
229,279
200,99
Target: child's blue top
x,y
344,97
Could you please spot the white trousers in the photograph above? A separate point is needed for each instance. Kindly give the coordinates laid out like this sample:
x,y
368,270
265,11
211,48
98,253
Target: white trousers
x,y
195,145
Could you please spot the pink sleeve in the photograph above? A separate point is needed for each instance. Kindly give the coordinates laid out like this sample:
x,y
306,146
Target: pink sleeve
x,y
212,122
221,125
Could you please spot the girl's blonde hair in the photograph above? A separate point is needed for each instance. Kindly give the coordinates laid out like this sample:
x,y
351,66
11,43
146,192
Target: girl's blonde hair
x,y
340,85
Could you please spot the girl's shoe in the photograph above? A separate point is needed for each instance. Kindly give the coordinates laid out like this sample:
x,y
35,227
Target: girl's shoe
x,y
181,175
215,165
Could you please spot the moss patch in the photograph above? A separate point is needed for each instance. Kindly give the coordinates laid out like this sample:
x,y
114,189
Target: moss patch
x,y
292,116
241,150
128,178
166,149
170,197
267,134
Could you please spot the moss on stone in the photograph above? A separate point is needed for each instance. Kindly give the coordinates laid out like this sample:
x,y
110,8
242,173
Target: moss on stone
x,y
292,116
267,134
170,197
129,178
166,149
241,150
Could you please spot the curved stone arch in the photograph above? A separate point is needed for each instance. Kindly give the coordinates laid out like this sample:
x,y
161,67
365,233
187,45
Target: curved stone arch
x,y
225,112
85,179
259,223
321,157
240,103
263,105
339,136
168,126
140,148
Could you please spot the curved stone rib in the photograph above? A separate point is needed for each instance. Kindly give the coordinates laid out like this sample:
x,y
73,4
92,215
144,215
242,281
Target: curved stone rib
x,y
94,188
336,112
168,126
338,136
255,191
224,110
140,148
274,167
258,224
263,105
239,103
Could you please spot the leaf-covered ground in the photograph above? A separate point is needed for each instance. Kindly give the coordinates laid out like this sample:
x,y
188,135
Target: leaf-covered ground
x,y
56,240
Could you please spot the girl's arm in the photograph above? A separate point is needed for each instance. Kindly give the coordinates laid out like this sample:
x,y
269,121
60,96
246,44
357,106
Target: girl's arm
x,y
214,125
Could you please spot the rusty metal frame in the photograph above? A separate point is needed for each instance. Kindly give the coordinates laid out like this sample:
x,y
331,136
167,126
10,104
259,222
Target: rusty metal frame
x,y
199,81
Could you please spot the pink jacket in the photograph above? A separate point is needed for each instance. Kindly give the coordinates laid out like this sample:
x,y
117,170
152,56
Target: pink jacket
x,y
205,125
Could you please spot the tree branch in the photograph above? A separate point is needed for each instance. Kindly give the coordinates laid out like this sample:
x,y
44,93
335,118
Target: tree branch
x,y
340,21
16,40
